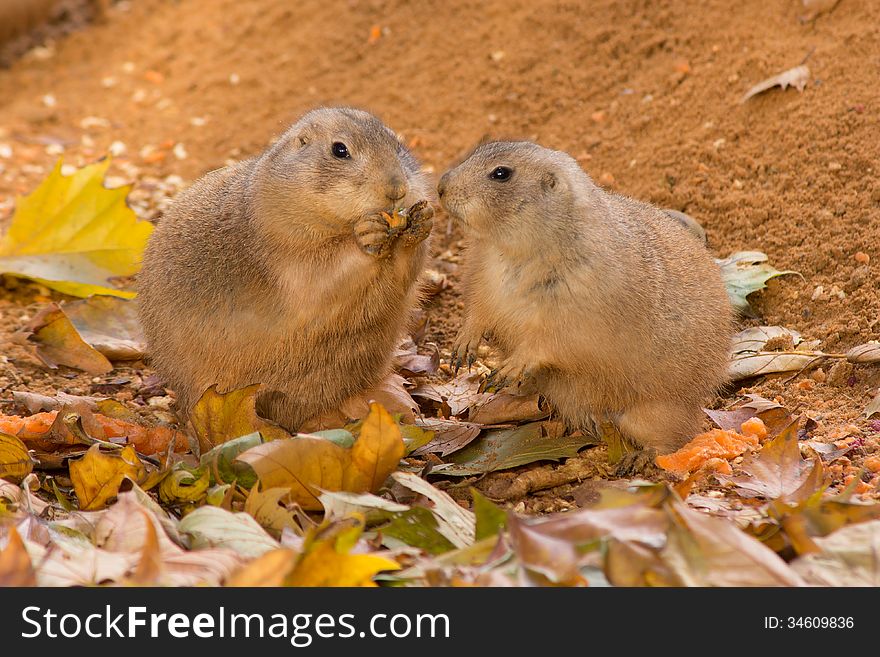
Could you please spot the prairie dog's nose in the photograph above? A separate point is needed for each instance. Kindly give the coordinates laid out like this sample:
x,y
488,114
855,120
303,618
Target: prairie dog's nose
x,y
441,188
396,188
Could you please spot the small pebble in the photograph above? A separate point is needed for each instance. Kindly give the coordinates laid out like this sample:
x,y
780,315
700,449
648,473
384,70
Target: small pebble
x,y
497,56
806,384
117,148
819,375
818,292
862,257
606,179
834,166
49,100
234,79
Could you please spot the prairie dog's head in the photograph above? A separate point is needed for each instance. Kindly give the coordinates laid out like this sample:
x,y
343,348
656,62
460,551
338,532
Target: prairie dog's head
x,y
335,165
506,188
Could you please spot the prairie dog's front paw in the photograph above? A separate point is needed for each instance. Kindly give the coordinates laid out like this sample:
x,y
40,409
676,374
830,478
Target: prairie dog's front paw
x,y
374,236
464,351
512,372
420,221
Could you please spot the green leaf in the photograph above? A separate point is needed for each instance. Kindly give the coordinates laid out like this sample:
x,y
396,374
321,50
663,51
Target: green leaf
x,y
340,437
491,518
74,235
509,448
417,528
745,272
221,463
210,526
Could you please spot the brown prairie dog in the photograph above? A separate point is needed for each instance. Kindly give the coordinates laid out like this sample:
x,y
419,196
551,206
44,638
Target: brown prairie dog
x,y
282,270
609,304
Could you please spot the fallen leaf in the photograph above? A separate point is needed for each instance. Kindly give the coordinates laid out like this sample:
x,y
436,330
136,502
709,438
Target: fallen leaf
x,y
777,471
307,464
56,342
15,461
331,562
458,525
864,353
748,365
74,235
269,509
459,395
269,569
848,557
416,527
210,526
221,462
341,504
796,77
501,449
48,430
219,417
755,338
490,519
184,485
409,360
16,568
503,407
449,436
97,475
745,272
108,324
706,551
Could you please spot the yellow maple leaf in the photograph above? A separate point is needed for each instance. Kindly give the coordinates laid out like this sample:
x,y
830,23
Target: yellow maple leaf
x,y
74,235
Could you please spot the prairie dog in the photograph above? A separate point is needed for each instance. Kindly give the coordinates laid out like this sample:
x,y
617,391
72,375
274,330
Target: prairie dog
x,y
614,309
282,270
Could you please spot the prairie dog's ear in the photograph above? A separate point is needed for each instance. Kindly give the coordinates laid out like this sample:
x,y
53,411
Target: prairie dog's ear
x,y
302,139
549,182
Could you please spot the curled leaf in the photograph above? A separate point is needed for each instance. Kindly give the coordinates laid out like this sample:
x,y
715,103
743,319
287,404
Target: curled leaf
x,y
745,272
219,417
15,461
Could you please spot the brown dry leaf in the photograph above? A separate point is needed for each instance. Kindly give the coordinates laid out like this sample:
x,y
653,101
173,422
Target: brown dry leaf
x,y
456,524
864,353
15,462
97,475
271,569
556,559
503,407
706,551
459,395
109,324
796,77
56,342
16,568
848,557
755,338
449,436
778,471
774,416
219,417
408,359
307,464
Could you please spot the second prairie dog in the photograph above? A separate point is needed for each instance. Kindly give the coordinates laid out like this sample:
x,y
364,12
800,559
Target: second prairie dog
x,y
610,305
281,270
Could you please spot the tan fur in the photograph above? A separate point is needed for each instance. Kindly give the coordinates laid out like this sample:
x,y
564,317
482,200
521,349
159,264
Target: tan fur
x,y
613,308
279,270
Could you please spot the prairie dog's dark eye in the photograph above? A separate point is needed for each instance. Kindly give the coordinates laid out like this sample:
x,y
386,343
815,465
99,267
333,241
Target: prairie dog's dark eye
x,y
501,173
340,150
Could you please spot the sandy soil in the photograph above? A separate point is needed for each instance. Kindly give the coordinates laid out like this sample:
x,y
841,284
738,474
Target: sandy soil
x,y
644,93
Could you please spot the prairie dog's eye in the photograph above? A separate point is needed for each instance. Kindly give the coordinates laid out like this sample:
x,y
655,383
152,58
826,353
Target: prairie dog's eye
x,y
501,174
340,150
